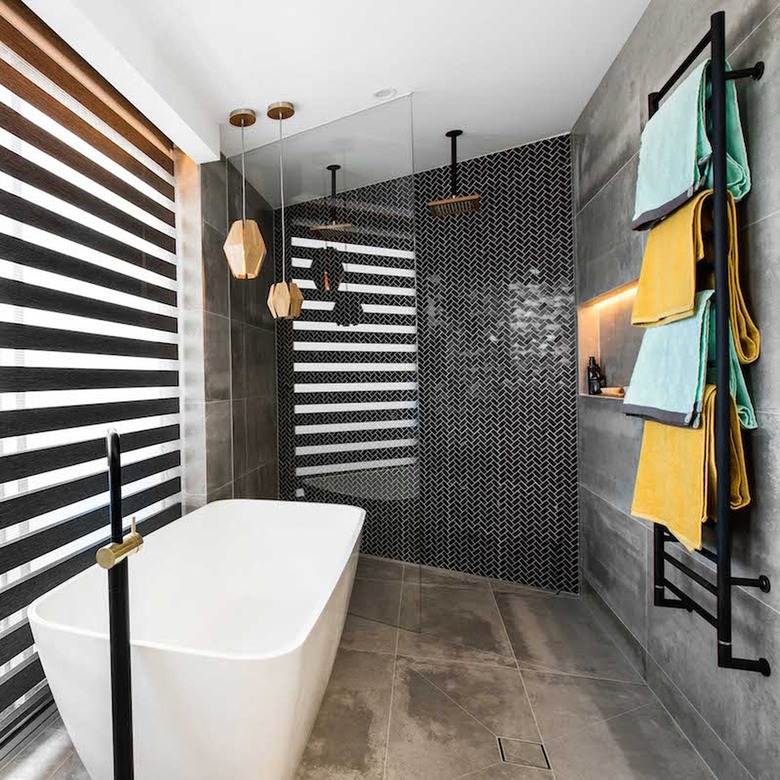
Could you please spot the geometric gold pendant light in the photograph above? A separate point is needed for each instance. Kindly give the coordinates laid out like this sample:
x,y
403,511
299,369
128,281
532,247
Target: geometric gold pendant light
x,y
244,247
284,300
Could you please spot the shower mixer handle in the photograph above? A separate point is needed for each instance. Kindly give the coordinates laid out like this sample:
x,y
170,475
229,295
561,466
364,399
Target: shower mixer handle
x,y
110,555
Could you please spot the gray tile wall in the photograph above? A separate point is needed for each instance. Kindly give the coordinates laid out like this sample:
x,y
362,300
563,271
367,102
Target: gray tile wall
x,y
732,718
239,354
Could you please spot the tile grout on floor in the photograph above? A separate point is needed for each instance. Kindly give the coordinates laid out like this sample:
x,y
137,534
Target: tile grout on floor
x,y
657,697
395,670
522,679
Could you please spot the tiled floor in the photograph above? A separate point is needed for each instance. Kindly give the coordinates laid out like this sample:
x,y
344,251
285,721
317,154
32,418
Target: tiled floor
x,y
473,662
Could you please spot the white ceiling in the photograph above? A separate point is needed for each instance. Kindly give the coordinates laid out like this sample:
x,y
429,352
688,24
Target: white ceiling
x,y
506,71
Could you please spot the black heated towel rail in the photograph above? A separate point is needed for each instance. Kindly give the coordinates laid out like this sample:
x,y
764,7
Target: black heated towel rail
x,y
715,39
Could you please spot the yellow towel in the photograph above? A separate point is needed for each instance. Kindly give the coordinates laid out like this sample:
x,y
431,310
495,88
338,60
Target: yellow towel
x,y
667,282
676,478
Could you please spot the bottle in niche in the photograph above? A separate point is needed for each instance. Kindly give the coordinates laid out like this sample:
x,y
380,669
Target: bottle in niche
x,y
596,378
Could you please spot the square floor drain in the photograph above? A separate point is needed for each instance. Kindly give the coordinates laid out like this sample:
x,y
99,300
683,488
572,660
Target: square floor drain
x,y
516,751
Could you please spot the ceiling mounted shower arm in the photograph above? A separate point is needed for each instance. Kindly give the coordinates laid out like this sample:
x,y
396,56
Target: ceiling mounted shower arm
x,y
333,202
453,135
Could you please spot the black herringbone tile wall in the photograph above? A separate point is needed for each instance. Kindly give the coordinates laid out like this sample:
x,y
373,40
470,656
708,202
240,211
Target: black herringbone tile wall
x,y
497,369
491,488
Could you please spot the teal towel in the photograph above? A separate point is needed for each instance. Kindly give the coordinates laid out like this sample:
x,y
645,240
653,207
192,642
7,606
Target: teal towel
x,y
675,153
671,371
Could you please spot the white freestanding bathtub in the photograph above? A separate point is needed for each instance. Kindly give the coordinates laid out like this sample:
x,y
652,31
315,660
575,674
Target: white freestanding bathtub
x,y
237,611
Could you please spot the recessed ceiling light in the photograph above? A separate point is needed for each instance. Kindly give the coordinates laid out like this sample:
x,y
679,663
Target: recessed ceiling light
x,y
386,93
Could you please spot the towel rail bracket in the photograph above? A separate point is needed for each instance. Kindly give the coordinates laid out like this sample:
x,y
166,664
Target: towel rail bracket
x,y
755,73
722,588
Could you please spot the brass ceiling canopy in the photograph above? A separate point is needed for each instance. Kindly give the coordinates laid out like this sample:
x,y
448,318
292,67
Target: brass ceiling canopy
x,y
242,117
282,109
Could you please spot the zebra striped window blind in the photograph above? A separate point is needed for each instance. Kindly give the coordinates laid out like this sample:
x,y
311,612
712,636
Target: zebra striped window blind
x,y
88,328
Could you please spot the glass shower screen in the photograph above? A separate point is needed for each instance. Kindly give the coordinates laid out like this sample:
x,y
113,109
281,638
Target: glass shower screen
x,y
347,368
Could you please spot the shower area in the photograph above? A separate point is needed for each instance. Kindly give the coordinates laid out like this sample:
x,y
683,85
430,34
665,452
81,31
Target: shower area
x,y
430,377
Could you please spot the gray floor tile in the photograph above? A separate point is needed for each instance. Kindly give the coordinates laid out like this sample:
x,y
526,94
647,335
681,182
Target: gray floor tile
x,y
46,753
564,704
429,575
494,696
560,634
431,737
641,745
504,771
377,600
372,568
364,634
350,735
456,624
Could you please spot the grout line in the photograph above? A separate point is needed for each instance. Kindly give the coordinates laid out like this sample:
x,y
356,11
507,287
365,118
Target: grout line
x,y
522,682
395,671
755,28
605,720
606,184
459,706
482,769
758,221
488,664
538,669
658,698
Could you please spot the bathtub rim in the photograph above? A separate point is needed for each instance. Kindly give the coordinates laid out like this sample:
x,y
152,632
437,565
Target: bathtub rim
x,y
34,617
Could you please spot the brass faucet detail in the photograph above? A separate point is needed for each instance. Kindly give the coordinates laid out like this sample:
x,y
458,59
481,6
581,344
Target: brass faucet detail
x,y
112,554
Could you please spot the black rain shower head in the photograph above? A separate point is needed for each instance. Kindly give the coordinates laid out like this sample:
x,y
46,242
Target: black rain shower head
x,y
455,204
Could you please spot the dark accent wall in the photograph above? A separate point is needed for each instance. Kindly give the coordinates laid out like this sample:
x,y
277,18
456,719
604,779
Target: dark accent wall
x,y
731,717
497,369
496,365
239,348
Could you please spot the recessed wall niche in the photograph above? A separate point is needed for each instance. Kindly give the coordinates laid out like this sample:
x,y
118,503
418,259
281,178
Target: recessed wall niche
x,y
605,331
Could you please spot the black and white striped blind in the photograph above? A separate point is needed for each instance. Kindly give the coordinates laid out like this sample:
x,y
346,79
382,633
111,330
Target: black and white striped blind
x,y
88,328
355,386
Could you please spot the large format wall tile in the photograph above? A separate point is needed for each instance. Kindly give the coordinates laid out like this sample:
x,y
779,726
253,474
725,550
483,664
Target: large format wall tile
x,y
216,338
758,106
614,558
609,253
219,460
239,349
759,252
609,444
756,530
214,195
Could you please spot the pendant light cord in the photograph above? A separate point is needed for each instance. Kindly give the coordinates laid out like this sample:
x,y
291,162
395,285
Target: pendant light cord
x,y
243,176
281,189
